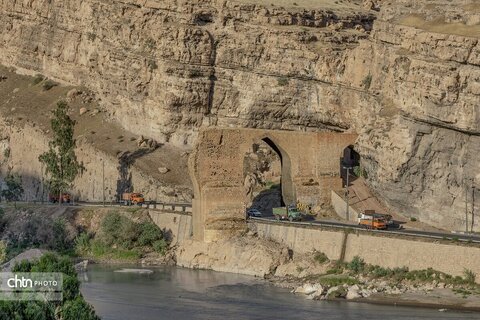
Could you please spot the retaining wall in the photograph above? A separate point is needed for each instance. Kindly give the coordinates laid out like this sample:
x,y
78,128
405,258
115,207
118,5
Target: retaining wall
x,y
387,251
177,225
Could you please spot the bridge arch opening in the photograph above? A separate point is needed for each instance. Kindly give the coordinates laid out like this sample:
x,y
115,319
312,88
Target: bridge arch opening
x,y
268,179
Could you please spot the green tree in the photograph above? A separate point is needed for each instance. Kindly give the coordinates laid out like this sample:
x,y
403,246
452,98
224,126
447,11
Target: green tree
x,y
14,190
61,164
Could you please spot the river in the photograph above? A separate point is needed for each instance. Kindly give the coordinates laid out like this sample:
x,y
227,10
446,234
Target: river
x,y
178,294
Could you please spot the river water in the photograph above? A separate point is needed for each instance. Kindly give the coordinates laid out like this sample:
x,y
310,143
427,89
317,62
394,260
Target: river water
x,y
178,294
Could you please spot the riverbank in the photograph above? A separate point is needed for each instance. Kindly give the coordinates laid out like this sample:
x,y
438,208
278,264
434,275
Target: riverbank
x,y
184,293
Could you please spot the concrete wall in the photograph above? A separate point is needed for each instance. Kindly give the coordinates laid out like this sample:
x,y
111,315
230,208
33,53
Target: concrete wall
x,y
177,224
340,207
391,251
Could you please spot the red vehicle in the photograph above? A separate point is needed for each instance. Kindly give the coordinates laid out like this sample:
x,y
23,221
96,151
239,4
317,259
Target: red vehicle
x,y
53,198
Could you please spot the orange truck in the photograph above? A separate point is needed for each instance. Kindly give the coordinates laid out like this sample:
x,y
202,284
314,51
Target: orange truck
x,y
376,223
371,220
132,198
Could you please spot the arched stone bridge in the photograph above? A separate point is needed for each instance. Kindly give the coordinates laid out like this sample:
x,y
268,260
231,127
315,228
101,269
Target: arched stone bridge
x,y
310,170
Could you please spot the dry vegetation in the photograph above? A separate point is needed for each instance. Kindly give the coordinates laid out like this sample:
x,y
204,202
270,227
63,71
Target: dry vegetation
x,y
440,26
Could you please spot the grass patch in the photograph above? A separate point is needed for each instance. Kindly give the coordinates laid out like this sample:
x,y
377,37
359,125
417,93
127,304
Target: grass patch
x,y
100,250
320,257
333,281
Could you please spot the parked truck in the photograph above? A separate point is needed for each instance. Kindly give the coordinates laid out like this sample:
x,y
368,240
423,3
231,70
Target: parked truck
x,y
132,198
283,213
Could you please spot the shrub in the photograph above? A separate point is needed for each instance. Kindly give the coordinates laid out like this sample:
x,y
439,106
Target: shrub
x,y
111,227
6,153
149,233
282,81
60,241
337,281
49,84
335,271
320,257
82,243
78,309
14,190
3,251
367,81
469,276
356,265
73,305
37,79
152,65
413,219
160,246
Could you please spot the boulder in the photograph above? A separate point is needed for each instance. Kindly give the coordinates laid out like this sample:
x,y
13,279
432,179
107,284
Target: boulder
x,y
309,288
163,170
83,110
353,293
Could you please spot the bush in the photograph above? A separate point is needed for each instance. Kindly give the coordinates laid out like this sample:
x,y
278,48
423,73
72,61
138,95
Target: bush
x,y
320,257
160,246
282,81
82,243
37,79
413,219
357,264
49,84
112,227
367,81
73,306
469,276
60,241
14,190
3,251
149,233
26,310
337,281
78,309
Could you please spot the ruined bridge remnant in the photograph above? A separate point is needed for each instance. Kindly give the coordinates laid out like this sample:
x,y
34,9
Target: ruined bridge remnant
x,y
310,170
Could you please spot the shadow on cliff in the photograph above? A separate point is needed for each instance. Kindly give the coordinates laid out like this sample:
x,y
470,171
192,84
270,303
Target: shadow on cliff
x,y
125,161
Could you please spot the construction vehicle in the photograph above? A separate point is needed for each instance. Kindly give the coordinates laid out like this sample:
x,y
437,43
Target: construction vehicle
x,y
291,213
132,198
64,198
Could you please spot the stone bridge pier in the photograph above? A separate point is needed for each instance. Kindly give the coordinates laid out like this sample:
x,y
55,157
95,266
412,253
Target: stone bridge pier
x,y
310,170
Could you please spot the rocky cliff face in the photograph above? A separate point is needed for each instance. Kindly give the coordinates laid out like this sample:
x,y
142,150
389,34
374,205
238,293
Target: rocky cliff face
x,y
405,76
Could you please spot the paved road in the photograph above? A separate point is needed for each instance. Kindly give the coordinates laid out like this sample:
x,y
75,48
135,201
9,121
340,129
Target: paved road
x,y
423,234
341,225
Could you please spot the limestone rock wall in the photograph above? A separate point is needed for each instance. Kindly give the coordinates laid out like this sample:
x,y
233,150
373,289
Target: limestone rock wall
x,y
405,78
25,143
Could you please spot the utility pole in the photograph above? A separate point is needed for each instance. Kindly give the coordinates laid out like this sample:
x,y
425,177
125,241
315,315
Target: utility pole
x,y
466,205
347,214
473,207
103,181
41,182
